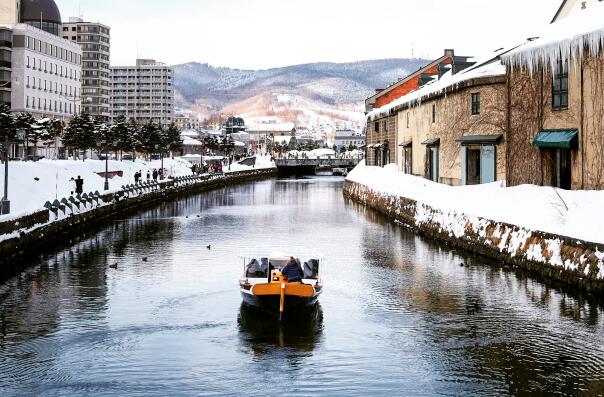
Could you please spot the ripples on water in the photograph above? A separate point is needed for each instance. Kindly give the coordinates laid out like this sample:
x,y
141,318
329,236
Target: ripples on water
x,y
399,315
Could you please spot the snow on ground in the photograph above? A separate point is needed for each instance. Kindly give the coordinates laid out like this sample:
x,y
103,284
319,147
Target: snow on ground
x,y
532,207
31,184
262,162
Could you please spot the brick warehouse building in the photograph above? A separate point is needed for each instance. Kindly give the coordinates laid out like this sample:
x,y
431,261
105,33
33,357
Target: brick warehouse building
x,y
382,132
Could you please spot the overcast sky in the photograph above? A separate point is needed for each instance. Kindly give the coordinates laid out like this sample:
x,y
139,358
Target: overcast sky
x,y
260,34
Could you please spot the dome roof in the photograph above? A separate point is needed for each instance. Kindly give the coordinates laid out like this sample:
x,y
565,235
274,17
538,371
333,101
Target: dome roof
x,y
34,10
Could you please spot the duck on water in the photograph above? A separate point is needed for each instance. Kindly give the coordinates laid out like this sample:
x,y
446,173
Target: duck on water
x,y
281,284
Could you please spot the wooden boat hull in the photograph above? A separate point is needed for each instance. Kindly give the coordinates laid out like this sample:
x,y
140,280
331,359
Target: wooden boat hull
x,y
268,297
271,303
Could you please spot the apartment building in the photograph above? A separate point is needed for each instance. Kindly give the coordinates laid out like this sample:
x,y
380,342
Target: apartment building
x,y
45,68
95,41
143,92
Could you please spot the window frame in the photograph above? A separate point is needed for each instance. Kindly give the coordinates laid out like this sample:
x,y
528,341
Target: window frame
x,y
475,103
560,76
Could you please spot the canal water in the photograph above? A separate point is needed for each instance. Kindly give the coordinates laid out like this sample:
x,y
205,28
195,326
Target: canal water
x,y
400,315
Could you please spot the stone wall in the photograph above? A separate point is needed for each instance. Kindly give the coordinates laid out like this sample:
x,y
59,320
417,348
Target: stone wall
x,y
555,257
38,232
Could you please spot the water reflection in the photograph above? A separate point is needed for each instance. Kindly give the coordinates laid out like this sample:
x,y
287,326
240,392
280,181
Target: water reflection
x,y
402,315
262,333
473,320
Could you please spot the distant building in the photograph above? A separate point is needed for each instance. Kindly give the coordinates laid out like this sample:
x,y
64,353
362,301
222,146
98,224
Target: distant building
x,y
346,138
186,121
144,92
44,69
234,125
40,72
6,52
95,40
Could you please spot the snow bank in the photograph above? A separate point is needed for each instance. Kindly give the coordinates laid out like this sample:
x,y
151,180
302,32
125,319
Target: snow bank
x,y
262,162
576,214
31,184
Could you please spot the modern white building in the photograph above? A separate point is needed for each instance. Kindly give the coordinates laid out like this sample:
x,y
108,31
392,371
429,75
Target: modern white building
x,y
95,41
347,138
187,121
46,73
144,92
45,68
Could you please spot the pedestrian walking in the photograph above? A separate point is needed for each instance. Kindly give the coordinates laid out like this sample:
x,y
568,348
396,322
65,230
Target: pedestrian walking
x,y
72,185
161,174
79,182
220,168
148,176
137,177
155,175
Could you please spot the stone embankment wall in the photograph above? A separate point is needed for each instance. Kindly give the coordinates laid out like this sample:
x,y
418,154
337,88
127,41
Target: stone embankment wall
x,y
34,233
573,262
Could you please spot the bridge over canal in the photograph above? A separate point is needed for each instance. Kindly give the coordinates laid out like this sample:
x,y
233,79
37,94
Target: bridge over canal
x,y
311,166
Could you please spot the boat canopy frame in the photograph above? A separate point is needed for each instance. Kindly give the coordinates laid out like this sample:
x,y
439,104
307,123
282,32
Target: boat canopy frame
x,y
256,266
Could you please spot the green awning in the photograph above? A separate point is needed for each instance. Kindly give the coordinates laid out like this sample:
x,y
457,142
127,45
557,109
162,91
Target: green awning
x,y
557,139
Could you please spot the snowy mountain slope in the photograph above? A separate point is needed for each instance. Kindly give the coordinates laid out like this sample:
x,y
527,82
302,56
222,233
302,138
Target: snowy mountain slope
x,y
206,88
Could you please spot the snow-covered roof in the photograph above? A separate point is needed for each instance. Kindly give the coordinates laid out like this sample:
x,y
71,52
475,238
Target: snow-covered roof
x,y
239,144
322,152
189,133
191,142
564,39
488,66
271,127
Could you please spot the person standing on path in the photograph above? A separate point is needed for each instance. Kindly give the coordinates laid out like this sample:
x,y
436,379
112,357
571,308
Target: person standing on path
x,y
72,185
155,175
79,182
148,176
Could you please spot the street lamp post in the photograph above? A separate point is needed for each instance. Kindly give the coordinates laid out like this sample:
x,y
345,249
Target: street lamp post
x,y
5,202
5,205
106,187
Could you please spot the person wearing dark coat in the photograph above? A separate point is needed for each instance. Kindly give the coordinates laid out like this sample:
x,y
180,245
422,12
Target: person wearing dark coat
x,y
292,272
155,175
79,182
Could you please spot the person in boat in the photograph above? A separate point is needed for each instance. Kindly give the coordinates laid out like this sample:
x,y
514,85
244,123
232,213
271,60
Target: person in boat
x,y
254,269
292,272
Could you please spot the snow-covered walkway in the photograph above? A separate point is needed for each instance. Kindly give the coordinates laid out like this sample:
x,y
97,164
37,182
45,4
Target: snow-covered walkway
x,y
31,184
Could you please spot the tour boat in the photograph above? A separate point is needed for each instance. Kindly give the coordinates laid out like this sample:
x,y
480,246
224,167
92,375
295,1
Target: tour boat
x,y
265,288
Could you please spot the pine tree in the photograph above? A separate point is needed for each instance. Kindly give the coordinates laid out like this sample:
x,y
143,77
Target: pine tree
x,y
80,133
7,123
134,131
173,139
123,135
25,122
7,128
149,138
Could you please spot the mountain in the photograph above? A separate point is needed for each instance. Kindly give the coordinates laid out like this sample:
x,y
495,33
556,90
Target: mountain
x,y
298,93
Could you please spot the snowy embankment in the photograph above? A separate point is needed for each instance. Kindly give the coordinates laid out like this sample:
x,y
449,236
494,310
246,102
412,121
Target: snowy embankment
x,y
554,233
32,184
576,214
